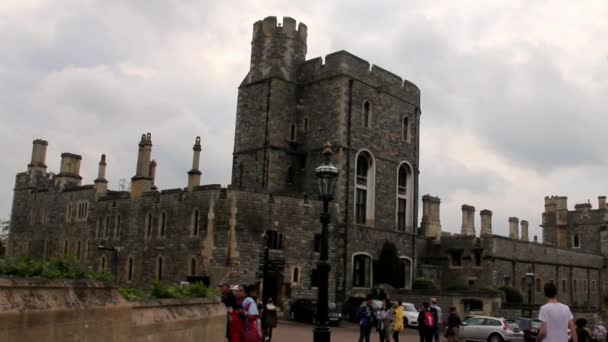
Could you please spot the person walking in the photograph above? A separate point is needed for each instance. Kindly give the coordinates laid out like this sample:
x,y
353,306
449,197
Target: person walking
x,y
384,321
367,318
244,325
270,319
556,318
427,323
229,301
439,328
581,331
452,333
397,321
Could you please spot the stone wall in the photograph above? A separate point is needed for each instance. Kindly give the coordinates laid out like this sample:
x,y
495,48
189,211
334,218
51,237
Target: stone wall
x,y
63,311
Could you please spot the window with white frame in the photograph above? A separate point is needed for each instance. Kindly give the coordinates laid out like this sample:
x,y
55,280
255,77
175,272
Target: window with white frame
x,y
402,179
364,189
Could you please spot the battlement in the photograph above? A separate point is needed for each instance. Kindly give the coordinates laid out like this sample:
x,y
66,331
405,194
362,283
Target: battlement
x,y
553,203
345,63
270,28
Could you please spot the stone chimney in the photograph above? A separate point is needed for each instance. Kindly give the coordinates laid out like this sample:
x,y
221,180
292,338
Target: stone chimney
x,y
38,162
486,222
153,175
194,175
513,227
431,223
142,181
524,230
101,184
69,171
468,220
601,202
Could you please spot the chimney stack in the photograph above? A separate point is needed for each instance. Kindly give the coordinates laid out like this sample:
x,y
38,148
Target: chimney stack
x,y
153,174
468,220
38,162
101,184
142,181
194,175
601,200
430,223
513,227
486,222
524,230
69,171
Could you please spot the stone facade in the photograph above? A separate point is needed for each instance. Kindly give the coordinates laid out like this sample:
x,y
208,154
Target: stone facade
x,y
287,109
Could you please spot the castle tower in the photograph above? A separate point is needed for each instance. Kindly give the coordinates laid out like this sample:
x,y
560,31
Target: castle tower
x,y
601,202
194,175
266,153
486,222
69,171
101,184
468,220
142,181
524,230
513,227
431,218
555,221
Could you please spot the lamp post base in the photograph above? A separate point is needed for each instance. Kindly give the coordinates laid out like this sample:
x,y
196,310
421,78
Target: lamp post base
x,y
321,334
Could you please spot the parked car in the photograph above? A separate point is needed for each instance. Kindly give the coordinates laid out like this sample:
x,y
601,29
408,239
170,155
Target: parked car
x,y
410,314
306,310
530,327
491,329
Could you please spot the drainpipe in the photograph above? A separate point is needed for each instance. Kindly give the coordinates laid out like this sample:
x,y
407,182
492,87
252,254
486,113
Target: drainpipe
x,y
347,197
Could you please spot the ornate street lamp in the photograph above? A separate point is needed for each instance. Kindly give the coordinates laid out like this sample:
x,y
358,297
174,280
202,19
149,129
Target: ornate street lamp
x,y
326,175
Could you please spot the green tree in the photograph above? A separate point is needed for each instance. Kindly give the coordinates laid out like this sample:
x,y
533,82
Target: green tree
x,y
4,225
388,268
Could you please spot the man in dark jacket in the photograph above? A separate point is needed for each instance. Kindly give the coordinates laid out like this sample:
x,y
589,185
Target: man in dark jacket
x,y
229,300
427,322
367,318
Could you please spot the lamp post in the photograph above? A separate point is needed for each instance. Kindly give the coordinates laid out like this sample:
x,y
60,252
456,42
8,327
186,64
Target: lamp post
x,y
530,278
326,175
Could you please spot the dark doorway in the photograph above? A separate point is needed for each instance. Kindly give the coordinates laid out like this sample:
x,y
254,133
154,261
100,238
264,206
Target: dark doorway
x,y
275,288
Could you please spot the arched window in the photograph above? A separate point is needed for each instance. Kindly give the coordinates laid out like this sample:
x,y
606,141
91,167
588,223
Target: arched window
x,y
405,129
102,264
106,233
292,132
274,239
362,270
364,189
295,275
159,268
162,225
68,213
195,222
576,241
130,269
192,267
366,114
117,228
99,230
305,124
78,250
148,233
65,248
404,197
405,272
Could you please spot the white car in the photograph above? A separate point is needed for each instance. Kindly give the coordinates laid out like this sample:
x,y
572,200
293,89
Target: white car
x,y
410,314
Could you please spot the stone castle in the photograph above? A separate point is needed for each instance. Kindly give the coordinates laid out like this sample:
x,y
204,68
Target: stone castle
x,y
288,107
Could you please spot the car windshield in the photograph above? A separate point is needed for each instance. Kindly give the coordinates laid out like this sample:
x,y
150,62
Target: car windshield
x,y
409,307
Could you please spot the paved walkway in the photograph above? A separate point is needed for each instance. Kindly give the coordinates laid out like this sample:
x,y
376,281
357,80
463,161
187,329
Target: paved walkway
x,y
289,331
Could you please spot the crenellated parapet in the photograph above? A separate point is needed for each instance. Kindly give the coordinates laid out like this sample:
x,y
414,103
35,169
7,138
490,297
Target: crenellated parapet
x,y
345,63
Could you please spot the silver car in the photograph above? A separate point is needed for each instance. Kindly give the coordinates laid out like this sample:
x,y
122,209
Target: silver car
x,y
491,329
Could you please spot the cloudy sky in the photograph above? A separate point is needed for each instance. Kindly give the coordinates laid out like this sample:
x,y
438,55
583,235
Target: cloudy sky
x,y
514,93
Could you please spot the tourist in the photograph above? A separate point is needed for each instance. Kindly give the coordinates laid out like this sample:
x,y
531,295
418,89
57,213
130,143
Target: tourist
x,y
556,318
452,333
599,333
439,328
367,318
581,331
270,319
397,320
427,323
229,301
244,320
384,321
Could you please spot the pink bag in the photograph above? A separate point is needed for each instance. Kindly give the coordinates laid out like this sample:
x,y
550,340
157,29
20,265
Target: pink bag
x,y
252,333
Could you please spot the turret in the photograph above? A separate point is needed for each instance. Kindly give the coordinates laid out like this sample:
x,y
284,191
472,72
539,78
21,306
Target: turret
x,y
431,220
524,230
194,175
513,227
468,220
142,181
101,184
276,50
69,171
601,202
486,222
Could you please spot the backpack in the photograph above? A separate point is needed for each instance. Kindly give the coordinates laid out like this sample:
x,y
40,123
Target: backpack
x,y
429,319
